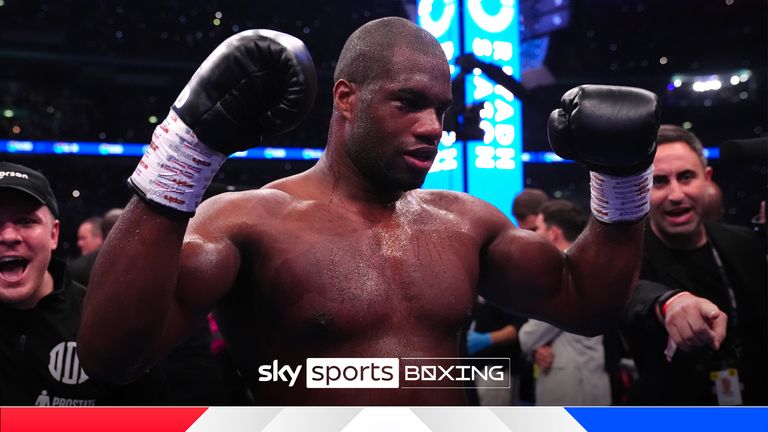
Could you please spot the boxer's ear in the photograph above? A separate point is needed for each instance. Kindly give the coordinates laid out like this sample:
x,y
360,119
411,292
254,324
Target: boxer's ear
x,y
345,95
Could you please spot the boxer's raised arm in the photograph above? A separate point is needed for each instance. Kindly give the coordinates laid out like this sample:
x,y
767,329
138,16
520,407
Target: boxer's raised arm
x,y
612,131
581,291
146,288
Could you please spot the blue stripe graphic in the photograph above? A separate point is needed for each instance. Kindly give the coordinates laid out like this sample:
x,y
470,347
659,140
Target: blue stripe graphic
x,y
721,419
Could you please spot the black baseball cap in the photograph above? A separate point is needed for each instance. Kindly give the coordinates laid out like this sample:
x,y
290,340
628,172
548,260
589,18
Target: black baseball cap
x,y
29,181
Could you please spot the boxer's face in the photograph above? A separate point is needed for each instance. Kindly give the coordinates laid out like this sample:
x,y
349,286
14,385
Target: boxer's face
x,y
677,197
28,236
399,121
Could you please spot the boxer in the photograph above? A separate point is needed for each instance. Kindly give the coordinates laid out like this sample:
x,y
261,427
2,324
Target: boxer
x,y
350,258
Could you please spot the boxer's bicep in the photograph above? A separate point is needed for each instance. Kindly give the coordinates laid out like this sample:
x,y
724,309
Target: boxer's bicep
x,y
208,266
525,273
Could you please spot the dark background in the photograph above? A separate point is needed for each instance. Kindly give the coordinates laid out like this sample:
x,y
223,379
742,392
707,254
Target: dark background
x,y
97,70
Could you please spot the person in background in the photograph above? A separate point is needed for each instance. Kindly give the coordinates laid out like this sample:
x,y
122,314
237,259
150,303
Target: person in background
x,y
526,205
80,267
570,368
109,220
40,308
89,239
696,324
713,202
89,235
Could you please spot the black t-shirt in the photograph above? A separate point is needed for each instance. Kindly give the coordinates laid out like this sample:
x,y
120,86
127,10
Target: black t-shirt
x,y
38,356
703,272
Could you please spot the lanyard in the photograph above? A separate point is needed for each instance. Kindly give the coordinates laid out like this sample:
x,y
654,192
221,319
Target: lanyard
x,y
734,318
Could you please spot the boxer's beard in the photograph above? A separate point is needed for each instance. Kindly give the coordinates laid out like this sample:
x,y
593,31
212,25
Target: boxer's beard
x,y
377,154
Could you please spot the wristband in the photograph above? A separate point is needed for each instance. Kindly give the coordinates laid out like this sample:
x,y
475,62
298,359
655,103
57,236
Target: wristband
x,y
665,299
176,169
620,199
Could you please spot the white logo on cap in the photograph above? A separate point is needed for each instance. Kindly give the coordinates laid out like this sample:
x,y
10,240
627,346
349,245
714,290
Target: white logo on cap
x,y
4,174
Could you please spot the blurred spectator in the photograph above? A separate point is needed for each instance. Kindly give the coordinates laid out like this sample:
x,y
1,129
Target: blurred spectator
x,y
696,324
570,368
525,207
109,220
80,267
89,239
89,235
713,202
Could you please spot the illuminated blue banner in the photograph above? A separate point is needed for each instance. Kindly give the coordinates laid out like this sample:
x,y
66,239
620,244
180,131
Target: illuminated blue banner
x,y
86,148
494,165
441,19
449,159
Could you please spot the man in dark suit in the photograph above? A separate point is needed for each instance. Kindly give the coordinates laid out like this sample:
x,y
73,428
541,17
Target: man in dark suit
x,y
696,325
80,267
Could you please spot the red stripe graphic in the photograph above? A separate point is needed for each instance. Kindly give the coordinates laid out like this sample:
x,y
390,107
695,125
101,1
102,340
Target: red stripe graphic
x,y
94,419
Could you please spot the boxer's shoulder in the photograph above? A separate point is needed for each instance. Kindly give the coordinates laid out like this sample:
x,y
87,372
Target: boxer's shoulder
x,y
459,204
231,213
253,202
444,199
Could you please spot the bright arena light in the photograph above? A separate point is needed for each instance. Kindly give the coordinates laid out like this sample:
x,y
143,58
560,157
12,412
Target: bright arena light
x,y
709,85
709,82
745,76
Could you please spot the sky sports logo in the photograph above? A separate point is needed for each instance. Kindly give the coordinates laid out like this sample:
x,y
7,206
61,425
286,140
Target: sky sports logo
x,y
414,372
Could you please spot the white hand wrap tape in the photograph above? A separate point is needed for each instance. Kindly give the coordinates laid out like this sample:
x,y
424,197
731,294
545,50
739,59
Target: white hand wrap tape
x,y
621,199
177,168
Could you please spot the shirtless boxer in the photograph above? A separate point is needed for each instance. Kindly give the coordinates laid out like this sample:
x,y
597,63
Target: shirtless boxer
x,y
350,258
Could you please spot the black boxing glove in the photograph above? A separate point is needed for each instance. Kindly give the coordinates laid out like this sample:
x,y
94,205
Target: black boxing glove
x,y
612,131
257,83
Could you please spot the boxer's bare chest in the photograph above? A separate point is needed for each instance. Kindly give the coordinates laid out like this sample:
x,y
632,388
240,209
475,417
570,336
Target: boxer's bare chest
x,y
326,270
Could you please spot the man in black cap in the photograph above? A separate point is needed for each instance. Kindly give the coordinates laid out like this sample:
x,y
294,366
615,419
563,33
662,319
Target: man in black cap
x,y
40,306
